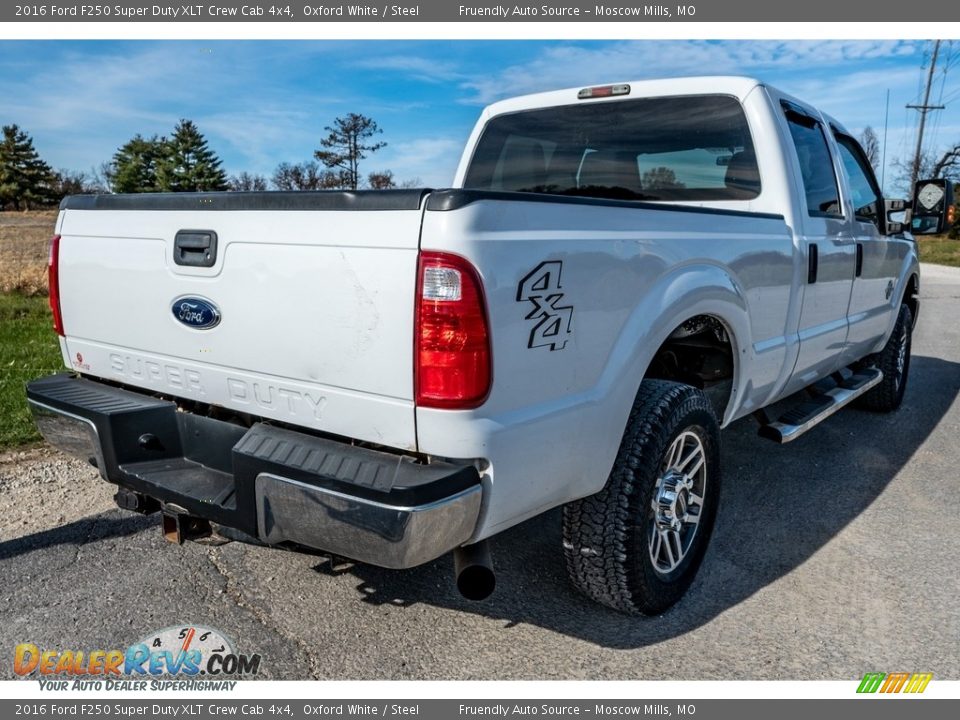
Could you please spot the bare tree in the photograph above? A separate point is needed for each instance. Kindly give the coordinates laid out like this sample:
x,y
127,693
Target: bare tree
x,y
945,165
69,182
382,180
948,165
247,182
306,176
99,174
661,178
871,146
349,141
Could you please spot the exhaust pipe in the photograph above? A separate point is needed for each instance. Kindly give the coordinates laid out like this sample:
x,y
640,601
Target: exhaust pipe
x,y
474,570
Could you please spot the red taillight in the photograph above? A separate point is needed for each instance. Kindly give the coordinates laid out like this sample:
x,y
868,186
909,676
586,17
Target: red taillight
x,y
452,353
53,283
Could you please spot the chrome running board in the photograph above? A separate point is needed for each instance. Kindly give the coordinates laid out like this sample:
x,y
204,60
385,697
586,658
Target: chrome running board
x,y
809,413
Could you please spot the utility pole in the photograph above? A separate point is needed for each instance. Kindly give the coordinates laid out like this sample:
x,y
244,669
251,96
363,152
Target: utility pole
x,y
924,109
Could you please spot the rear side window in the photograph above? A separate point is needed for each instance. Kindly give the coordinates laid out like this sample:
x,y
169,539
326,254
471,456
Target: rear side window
x,y
674,148
816,167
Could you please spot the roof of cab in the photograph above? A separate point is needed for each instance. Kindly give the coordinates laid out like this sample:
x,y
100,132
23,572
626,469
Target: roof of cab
x,y
734,85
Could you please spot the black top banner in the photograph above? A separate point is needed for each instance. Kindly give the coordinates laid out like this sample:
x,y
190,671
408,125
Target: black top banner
x,y
452,11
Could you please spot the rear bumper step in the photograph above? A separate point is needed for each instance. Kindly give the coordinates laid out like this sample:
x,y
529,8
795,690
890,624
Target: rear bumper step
x,y
806,415
274,484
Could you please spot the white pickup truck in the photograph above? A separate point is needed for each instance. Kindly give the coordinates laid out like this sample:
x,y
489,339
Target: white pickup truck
x,y
388,376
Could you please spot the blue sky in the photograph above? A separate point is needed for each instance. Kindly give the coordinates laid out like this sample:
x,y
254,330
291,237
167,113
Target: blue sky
x,y
263,102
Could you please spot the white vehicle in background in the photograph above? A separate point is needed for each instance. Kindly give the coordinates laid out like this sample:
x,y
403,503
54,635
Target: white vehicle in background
x,y
618,272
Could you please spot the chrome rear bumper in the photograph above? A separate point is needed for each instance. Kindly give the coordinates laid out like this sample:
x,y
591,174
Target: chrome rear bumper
x,y
279,485
365,530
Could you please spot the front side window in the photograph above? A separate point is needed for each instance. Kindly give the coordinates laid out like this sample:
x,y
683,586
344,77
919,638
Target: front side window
x,y
863,184
816,166
674,148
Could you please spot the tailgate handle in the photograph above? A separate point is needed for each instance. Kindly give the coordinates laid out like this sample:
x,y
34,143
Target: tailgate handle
x,y
195,248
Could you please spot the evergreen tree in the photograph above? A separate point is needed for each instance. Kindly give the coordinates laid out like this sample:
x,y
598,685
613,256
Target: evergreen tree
x,y
25,179
188,164
347,144
134,165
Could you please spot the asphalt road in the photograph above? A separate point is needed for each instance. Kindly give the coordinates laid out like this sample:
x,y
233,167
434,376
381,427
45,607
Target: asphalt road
x,y
833,556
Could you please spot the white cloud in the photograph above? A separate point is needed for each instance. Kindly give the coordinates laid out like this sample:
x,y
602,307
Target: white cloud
x,y
433,160
417,67
257,135
571,65
86,104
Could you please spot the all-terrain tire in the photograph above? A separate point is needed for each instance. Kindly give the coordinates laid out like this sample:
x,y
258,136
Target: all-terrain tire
x,y
609,538
894,362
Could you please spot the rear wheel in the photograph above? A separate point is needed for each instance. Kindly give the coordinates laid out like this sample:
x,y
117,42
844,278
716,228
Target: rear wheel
x,y
637,544
894,362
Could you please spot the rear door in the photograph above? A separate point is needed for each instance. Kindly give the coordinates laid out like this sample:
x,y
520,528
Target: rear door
x,y
314,294
829,251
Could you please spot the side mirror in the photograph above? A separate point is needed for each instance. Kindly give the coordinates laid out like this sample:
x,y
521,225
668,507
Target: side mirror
x,y
934,207
891,207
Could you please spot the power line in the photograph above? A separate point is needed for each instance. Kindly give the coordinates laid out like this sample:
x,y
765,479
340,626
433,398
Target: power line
x,y
938,117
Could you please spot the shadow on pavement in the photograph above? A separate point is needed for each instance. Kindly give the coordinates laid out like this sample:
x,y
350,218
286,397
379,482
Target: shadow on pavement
x,y
96,527
779,505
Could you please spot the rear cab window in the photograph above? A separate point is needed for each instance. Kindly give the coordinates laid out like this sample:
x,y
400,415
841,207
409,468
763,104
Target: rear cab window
x,y
667,148
816,165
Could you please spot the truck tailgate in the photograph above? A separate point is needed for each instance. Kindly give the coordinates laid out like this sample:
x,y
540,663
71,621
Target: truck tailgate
x,y
316,303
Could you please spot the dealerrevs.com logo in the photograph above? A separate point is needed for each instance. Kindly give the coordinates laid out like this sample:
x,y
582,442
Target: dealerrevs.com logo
x,y
188,652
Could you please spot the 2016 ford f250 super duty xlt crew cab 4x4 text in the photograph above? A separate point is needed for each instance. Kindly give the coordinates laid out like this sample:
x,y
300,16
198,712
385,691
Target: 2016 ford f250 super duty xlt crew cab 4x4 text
x,y
388,376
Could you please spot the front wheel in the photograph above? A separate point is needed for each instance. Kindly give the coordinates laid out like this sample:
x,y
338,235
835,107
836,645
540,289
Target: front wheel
x,y
637,544
894,362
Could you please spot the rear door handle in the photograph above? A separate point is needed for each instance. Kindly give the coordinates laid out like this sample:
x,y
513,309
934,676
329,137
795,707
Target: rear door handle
x,y
859,259
812,260
195,248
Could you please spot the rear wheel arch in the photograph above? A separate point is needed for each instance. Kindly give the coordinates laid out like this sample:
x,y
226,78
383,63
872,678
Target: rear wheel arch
x,y
702,351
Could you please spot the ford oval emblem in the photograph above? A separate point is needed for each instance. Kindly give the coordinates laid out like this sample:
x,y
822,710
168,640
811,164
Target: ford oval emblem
x,y
196,312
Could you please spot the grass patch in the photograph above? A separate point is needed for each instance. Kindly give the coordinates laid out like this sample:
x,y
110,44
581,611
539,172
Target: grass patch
x,y
28,349
940,250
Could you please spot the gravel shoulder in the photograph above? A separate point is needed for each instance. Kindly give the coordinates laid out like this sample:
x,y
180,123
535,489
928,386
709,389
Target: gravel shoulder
x,y
42,489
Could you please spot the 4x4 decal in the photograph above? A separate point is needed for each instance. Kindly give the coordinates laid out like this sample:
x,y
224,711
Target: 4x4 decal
x,y
553,321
